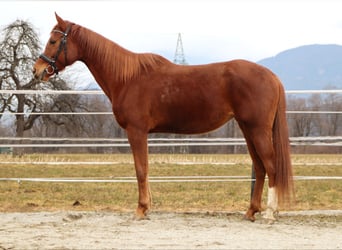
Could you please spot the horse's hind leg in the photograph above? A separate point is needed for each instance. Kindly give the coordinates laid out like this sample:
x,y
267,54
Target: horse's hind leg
x,y
264,147
260,146
255,204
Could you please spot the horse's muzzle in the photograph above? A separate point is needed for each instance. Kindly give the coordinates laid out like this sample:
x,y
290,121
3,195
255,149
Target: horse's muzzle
x,y
39,75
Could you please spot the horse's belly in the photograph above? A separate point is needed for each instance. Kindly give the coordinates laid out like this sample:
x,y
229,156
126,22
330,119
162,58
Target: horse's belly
x,y
189,107
193,123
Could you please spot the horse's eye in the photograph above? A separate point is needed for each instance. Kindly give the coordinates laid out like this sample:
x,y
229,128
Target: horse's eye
x,y
52,41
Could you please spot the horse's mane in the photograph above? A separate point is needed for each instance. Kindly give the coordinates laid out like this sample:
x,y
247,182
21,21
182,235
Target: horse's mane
x,y
124,64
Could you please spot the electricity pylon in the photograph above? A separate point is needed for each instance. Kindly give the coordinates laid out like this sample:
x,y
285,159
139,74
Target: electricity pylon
x,y
179,59
179,54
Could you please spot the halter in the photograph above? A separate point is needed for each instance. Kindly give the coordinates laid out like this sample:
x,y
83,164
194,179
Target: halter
x,y
62,46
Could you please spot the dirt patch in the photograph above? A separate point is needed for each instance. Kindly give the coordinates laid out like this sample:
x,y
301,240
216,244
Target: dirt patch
x,y
104,230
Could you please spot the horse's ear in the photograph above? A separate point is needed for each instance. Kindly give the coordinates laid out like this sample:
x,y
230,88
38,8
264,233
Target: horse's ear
x,y
60,21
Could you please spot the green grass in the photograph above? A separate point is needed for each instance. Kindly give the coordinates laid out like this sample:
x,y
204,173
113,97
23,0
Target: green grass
x,y
204,196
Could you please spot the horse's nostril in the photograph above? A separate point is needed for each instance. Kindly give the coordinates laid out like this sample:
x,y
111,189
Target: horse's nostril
x,y
34,70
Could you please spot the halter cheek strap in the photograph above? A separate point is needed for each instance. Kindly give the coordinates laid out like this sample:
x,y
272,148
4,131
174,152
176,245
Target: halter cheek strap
x,y
52,67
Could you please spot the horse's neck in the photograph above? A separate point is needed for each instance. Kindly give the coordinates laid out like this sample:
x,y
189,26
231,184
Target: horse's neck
x,y
101,69
111,65
101,78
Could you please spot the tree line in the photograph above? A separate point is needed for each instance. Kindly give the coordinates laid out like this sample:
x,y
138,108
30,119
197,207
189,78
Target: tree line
x,y
20,47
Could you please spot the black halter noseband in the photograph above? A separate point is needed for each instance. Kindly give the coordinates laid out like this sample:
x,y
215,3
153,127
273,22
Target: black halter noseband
x,y
62,46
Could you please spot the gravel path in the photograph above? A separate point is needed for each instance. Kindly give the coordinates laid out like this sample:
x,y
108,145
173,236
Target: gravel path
x,y
104,230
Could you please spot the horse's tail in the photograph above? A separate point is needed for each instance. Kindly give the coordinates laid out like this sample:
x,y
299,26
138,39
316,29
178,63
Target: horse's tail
x,y
281,144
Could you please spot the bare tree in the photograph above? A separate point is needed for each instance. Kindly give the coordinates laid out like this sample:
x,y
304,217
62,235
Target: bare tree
x,y
325,124
299,124
315,124
19,48
332,123
18,51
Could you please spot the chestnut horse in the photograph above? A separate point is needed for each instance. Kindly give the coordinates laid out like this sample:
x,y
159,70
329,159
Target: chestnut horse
x,y
150,94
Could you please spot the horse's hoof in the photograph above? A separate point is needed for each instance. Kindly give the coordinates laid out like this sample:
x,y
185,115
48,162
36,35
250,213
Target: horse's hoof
x,y
269,221
270,216
138,218
139,215
249,217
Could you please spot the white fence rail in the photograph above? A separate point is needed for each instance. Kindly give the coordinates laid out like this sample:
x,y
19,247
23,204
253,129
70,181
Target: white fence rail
x,y
160,179
158,142
111,113
100,92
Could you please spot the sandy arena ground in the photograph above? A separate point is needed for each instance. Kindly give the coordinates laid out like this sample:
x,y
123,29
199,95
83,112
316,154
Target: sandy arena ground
x,y
105,230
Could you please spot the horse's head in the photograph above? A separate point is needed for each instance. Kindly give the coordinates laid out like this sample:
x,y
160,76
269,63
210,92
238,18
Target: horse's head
x,y
60,51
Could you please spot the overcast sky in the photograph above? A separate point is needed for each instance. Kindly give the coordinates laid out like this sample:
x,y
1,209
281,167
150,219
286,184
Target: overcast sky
x,y
212,30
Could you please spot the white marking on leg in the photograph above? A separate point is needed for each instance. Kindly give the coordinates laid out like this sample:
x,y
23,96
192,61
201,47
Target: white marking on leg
x,y
272,204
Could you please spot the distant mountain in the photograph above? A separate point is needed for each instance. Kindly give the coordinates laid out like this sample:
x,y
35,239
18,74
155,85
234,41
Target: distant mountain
x,y
308,67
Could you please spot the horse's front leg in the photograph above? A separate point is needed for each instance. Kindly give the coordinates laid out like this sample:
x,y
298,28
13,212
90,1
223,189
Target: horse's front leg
x,y
138,142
